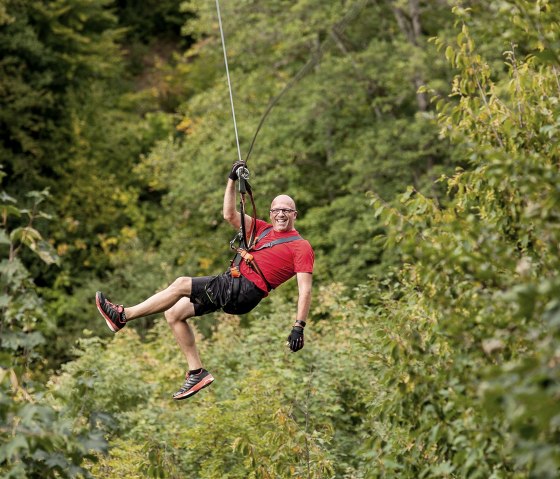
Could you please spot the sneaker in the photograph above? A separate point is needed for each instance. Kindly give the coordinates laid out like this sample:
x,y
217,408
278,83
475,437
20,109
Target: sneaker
x,y
113,313
193,384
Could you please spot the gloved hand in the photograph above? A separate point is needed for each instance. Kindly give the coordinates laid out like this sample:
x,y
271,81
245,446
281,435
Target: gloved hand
x,y
295,339
233,173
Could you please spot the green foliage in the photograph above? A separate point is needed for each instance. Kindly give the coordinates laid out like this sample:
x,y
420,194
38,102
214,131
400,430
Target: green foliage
x,y
150,19
22,312
439,356
47,48
472,368
71,123
35,440
268,414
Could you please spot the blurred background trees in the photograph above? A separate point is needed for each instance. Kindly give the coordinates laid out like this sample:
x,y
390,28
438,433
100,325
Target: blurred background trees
x,y
421,147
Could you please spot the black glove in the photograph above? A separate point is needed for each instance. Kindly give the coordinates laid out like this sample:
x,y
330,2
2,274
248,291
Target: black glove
x,y
233,173
295,339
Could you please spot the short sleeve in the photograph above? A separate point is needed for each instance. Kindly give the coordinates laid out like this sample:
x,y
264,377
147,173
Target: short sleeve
x,y
304,257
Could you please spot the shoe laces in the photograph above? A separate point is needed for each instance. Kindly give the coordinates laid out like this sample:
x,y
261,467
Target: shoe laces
x,y
117,307
189,380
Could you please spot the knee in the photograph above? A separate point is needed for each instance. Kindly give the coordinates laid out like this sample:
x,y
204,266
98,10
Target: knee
x,y
181,311
182,285
173,315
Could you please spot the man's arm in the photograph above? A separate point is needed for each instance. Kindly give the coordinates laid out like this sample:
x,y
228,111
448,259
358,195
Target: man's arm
x,y
231,215
305,282
295,339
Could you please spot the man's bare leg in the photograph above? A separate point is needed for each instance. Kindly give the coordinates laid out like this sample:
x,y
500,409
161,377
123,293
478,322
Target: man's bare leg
x,y
177,319
197,377
161,301
174,301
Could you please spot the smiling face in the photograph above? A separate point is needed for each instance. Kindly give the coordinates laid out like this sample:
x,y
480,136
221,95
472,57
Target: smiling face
x,y
283,213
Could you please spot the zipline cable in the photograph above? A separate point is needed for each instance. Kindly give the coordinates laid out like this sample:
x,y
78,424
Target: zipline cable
x,y
228,79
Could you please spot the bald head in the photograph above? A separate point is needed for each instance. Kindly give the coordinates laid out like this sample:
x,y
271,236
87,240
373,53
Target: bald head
x,y
283,201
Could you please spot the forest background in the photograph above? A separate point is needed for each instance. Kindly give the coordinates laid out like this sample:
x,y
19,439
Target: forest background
x,y
422,149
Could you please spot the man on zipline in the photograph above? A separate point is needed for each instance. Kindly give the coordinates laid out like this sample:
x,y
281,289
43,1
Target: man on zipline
x,y
279,254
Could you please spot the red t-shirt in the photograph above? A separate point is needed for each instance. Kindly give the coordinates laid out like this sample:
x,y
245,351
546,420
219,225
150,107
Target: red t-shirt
x,y
280,262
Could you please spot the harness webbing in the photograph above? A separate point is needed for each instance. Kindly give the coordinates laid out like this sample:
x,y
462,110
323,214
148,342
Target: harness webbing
x,y
287,239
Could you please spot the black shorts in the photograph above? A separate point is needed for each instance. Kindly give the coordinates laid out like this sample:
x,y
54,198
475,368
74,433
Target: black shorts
x,y
211,293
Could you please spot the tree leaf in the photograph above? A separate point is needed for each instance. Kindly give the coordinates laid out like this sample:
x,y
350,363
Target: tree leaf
x,y
45,251
4,237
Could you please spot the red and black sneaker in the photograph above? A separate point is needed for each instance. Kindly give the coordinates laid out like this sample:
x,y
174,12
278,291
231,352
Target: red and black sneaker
x,y
112,313
193,384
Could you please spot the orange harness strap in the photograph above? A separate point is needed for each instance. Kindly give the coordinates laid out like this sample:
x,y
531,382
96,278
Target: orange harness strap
x,y
249,260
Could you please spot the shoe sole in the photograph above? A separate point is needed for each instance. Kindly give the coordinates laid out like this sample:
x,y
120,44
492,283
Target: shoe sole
x,y
110,323
191,392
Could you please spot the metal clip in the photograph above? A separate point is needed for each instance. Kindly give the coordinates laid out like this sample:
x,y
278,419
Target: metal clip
x,y
243,175
237,238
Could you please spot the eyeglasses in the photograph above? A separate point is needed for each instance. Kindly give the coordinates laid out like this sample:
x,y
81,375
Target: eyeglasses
x,y
277,211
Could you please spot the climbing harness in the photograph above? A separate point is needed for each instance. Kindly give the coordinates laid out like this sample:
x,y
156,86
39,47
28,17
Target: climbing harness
x,y
243,254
